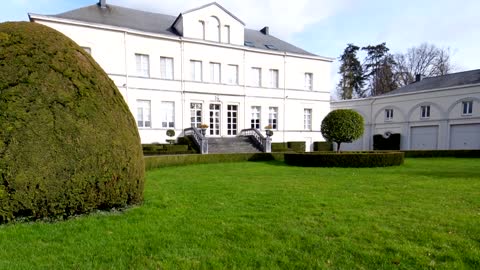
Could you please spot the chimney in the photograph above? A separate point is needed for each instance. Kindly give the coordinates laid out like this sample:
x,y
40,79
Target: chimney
x,y
265,30
102,3
418,77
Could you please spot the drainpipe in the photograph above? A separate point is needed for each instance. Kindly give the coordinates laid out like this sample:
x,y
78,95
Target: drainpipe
x,y
372,125
284,92
182,82
126,64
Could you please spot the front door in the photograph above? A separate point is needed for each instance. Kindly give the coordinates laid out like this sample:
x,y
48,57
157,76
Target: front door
x,y
214,119
232,112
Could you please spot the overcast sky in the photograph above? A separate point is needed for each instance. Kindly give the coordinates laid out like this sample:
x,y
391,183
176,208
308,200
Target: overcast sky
x,y
324,27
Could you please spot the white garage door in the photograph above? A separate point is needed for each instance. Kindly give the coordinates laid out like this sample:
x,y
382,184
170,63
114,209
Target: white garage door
x,y
424,138
465,136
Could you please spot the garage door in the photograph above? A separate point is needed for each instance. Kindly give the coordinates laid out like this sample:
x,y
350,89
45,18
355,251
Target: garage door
x,y
424,138
465,136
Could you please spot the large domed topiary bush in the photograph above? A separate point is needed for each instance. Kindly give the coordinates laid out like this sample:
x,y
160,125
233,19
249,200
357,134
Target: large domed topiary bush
x,y
68,142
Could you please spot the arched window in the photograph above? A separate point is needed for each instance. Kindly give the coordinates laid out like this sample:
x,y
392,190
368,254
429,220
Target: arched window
x,y
213,26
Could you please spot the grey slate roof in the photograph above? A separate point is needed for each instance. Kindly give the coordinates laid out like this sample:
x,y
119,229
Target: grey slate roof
x,y
449,80
161,24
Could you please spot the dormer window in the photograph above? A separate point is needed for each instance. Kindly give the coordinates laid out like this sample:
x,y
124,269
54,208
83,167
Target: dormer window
x,y
249,44
213,26
271,47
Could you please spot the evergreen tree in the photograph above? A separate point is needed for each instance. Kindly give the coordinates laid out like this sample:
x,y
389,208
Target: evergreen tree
x,y
351,71
378,68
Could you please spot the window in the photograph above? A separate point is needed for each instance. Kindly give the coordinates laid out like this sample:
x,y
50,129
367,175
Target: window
x,y
143,65
232,74
467,107
249,44
256,110
167,113
308,81
256,76
87,49
213,29
201,29
425,111
388,114
143,113
307,119
273,117
274,78
196,70
227,33
215,72
196,114
166,68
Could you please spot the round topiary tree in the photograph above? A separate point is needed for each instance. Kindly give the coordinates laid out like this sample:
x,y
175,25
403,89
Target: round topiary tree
x,y
342,125
68,142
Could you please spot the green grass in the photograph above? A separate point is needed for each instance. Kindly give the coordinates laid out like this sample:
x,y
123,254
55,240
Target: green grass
x,y
424,214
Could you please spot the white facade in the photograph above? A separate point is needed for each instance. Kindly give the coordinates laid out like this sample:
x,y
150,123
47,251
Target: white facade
x,y
447,118
208,68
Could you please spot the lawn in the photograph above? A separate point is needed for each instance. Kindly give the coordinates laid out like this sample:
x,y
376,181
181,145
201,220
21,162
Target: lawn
x,y
424,214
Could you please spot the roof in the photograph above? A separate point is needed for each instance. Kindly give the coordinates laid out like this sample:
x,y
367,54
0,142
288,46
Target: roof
x,y
162,24
216,4
444,81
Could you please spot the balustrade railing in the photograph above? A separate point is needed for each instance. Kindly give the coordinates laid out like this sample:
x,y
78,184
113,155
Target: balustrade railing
x,y
200,140
264,143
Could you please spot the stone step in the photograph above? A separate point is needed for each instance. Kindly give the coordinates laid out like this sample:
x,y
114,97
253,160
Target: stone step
x,y
231,145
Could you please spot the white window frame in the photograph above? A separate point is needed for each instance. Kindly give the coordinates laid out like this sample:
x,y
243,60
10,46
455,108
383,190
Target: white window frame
x,y
425,111
308,81
467,107
307,119
274,78
256,117
167,114
195,119
273,117
166,68
144,113
215,72
232,73
388,114
256,74
196,73
142,65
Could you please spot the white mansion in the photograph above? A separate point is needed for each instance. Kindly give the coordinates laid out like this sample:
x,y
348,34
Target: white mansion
x,y
202,67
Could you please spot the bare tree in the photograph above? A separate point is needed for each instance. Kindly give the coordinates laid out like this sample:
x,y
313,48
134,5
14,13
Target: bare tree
x,y
426,60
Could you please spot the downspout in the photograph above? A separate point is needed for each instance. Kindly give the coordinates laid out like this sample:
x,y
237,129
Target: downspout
x,y
372,124
244,90
182,82
284,93
126,65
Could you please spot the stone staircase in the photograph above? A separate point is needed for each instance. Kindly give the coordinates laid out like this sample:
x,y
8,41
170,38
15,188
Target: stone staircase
x,y
231,145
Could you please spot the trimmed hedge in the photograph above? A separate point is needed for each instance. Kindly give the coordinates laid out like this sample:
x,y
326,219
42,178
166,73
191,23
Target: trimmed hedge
x,y
165,149
279,147
296,146
68,141
188,140
322,146
442,153
179,160
345,159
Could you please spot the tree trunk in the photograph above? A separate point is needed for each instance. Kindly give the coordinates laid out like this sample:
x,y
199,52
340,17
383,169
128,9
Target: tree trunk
x,y
338,147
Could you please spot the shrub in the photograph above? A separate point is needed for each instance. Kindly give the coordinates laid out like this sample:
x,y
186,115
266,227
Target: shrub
x,y
280,147
179,160
68,142
165,149
346,159
296,146
188,140
342,125
322,146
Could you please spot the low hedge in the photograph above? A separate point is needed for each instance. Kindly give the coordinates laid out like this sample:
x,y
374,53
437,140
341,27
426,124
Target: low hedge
x,y
188,140
442,153
345,159
179,160
165,149
296,146
322,146
279,147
